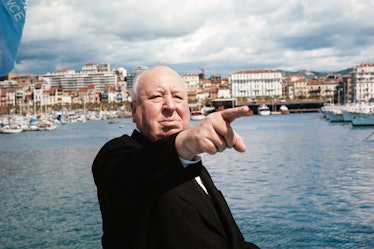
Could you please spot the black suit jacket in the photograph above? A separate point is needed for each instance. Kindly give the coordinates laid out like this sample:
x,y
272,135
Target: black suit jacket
x,y
149,200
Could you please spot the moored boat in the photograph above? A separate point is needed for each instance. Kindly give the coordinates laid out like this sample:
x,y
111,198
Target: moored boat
x,y
348,109
361,119
347,116
284,109
263,110
197,115
364,116
46,126
335,115
199,112
12,124
11,129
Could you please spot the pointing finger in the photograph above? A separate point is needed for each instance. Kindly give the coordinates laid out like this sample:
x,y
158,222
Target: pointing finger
x,y
239,144
233,113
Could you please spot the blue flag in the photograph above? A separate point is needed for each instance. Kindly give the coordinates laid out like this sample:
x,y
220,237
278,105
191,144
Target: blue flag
x,y
12,19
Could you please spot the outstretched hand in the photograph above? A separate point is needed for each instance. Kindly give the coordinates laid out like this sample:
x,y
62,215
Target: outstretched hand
x,y
213,134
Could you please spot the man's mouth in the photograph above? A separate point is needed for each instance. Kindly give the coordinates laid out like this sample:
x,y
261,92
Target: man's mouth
x,y
170,124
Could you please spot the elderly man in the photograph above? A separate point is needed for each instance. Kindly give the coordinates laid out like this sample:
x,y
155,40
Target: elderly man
x,y
153,190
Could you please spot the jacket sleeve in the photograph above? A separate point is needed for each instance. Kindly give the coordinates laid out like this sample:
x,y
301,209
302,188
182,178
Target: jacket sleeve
x,y
125,166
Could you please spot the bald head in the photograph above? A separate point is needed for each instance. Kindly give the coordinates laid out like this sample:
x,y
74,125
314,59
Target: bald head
x,y
151,75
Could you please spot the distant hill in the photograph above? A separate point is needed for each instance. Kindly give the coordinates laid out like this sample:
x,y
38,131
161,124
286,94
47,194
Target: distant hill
x,y
313,74
346,71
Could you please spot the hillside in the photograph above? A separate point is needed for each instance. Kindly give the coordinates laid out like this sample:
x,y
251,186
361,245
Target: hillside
x,y
314,74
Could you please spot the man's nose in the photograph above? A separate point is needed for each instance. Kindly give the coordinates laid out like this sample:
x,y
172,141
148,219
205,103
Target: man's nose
x,y
169,103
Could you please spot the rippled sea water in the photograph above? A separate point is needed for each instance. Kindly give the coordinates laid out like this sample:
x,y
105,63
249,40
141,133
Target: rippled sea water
x,y
302,183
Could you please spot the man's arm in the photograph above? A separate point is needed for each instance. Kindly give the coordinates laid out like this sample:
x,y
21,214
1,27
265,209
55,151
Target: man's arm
x,y
125,166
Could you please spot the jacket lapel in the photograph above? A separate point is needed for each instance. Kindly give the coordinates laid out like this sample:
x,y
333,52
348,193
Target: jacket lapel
x,y
222,208
193,193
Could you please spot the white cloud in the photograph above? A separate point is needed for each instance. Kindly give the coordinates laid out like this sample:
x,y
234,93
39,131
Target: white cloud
x,y
221,36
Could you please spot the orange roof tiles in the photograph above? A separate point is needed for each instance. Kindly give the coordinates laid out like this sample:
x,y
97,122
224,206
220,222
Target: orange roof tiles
x,y
38,85
82,90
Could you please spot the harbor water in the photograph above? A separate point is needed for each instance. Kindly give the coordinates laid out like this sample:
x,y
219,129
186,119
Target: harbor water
x,y
302,183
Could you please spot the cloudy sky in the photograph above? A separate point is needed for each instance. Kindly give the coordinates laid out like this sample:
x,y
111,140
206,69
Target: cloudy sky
x,y
221,36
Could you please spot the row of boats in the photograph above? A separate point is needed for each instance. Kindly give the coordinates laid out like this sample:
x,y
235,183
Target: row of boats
x,y
359,114
17,124
264,110
14,123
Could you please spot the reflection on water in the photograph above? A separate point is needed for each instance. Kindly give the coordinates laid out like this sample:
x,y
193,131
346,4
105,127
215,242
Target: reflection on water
x,y
302,183
47,199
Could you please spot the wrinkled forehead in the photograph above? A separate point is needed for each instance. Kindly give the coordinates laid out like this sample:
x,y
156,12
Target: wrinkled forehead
x,y
164,81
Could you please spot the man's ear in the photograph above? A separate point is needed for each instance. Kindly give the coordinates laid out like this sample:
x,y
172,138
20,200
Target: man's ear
x,y
133,110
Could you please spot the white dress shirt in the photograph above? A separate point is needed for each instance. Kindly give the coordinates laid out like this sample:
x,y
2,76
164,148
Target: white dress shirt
x,y
185,164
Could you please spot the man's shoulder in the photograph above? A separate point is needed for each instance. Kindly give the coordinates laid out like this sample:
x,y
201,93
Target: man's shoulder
x,y
118,141
117,144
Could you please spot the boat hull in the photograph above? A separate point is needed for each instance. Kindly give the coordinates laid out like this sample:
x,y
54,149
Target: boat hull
x,y
264,113
334,117
284,109
197,117
11,130
362,119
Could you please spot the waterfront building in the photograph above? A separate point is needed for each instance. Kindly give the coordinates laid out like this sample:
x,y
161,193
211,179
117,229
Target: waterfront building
x,y
300,90
224,89
8,84
50,97
89,68
103,67
200,89
287,88
323,88
192,81
256,83
302,87
193,85
121,74
7,97
207,90
224,93
363,83
70,80
66,98
93,68
114,95
15,92
346,85
133,74
42,94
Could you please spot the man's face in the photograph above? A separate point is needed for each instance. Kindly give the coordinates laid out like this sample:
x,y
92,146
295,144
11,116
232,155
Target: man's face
x,y
161,108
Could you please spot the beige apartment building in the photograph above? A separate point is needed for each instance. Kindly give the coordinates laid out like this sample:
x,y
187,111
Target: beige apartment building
x,y
256,83
363,83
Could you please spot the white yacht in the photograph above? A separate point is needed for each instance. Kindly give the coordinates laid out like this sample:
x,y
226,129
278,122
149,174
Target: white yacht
x,y
263,110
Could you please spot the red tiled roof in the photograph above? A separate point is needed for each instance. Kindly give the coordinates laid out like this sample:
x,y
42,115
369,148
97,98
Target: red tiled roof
x,y
38,85
367,65
82,90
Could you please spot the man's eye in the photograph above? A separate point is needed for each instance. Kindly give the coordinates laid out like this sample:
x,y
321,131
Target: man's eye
x,y
178,97
155,96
